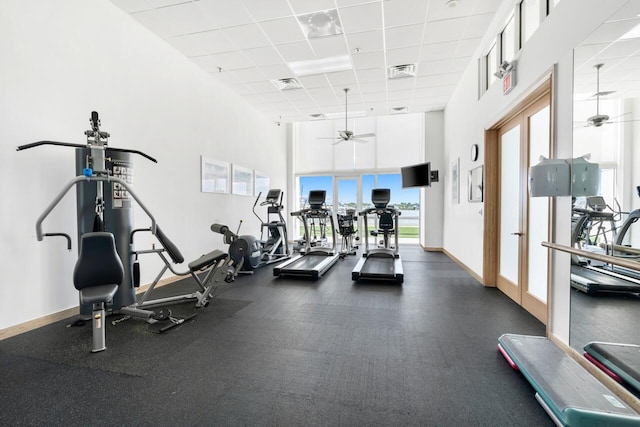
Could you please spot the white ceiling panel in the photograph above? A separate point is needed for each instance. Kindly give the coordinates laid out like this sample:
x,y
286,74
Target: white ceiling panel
x,y
410,35
224,16
262,10
367,41
368,60
252,42
405,55
246,36
477,25
285,30
326,47
299,51
609,32
266,55
364,17
404,12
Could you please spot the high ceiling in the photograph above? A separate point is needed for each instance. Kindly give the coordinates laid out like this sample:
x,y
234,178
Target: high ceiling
x,y
248,43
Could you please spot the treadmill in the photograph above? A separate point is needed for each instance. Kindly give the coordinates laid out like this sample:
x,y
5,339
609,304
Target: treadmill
x,y
312,261
382,263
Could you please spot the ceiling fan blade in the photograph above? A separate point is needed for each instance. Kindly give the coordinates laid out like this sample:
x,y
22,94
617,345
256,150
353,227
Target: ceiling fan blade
x,y
330,137
623,121
361,141
364,135
620,115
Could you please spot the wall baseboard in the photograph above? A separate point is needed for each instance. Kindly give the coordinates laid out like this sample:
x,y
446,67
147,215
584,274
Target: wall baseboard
x,y
30,325
465,268
431,249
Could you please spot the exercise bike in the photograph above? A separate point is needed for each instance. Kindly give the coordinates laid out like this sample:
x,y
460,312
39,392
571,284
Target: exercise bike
x,y
272,246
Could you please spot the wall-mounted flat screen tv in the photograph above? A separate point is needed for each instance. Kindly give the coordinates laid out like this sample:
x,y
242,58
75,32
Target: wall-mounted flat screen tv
x,y
416,175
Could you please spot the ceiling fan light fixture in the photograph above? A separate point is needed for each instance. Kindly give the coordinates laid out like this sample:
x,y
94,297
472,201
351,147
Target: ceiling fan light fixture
x,y
401,71
320,24
319,116
289,83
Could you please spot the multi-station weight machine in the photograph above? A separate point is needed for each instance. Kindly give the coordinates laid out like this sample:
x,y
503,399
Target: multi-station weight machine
x,y
105,218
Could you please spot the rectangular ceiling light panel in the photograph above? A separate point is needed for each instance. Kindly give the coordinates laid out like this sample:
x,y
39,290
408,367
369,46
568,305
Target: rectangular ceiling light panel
x,y
320,66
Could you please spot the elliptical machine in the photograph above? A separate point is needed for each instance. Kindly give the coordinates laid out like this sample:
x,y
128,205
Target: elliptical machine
x,y
347,229
259,252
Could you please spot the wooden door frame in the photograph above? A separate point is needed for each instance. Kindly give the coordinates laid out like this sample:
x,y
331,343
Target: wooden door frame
x,y
492,178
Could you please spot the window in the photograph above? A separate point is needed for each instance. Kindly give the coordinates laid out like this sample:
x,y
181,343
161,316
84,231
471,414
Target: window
x,y
508,41
530,13
491,66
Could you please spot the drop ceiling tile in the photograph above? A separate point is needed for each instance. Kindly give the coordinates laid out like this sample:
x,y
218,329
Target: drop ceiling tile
x,y
278,71
467,47
477,26
438,51
346,3
444,31
373,87
200,44
227,60
224,16
428,81
377,108
368,60
399,85
451,78
263,87
364,17
326,47
486,6
285,30
266,55
246,36
189,18
407,55
458,65
430,68
398,37
242,89
308,6
228,78
298,51
247,75
164,3
621,48
373,97
404,12
307,103
439,11
342,78
367,41
314,81
371,75
262,10
404,96
322,94
157,22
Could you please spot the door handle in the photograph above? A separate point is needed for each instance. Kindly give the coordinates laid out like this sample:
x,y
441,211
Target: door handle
x,y
517,234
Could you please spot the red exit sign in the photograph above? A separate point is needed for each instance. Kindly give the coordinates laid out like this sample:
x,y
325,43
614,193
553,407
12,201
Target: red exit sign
x,y
508,82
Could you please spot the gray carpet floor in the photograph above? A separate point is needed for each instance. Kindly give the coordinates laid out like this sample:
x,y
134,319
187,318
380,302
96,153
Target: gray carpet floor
x,y
289,352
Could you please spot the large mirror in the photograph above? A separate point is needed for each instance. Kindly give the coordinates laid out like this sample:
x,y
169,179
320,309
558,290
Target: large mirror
x,y
605,302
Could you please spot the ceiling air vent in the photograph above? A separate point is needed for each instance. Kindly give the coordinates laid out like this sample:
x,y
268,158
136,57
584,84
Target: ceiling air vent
x,y
287,84
317,116
401,71
399,110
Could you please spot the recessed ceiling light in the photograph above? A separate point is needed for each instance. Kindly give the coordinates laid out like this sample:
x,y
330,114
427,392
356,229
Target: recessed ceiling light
x,y
633,33
341,115
289,83
317,116
320,24
452,3
320,66
400,71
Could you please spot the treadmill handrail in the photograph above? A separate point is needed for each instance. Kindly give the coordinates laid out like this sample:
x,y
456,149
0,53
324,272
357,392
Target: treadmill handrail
x,y
607,259
83,178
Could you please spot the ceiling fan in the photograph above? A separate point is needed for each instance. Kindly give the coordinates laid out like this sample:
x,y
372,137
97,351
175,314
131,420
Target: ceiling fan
x,y
347,135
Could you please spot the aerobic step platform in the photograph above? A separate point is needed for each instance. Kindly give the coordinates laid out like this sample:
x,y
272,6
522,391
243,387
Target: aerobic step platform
x,y
567,391
621,360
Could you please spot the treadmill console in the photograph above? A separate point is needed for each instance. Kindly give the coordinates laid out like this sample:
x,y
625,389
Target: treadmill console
x,y
380,197
317,199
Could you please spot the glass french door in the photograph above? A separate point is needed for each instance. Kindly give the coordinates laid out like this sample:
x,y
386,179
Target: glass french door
x,y
523,221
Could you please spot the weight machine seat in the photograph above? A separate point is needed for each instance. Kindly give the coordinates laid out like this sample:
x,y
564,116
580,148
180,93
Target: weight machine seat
x,y
206,260
98,266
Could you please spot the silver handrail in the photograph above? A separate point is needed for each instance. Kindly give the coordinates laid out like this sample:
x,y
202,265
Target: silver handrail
x,y
82,178
607,259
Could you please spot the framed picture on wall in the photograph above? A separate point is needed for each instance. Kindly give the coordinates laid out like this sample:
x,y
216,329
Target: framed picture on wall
x,y
214,176
262,183
455,181
476,184
241,181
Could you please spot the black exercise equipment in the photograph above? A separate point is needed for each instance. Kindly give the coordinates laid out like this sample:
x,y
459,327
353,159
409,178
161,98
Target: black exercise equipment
x,y
312,262
97,274
382,263
347,229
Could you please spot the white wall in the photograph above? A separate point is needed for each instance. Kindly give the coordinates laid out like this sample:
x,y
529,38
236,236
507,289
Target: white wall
x,y
432,198
466,117
60,61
